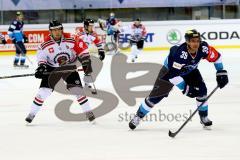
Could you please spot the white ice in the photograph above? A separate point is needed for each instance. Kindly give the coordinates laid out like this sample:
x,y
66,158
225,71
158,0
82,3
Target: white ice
x,y
110,139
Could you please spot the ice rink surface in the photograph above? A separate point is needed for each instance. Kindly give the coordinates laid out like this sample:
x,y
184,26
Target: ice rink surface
x,y
110,139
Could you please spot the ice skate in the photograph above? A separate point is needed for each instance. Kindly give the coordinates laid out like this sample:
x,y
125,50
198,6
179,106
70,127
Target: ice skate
x,y
134,122
206,122
90,116
29,118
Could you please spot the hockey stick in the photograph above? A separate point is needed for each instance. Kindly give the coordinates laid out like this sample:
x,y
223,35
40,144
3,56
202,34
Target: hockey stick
x,y
63,71
16,76
32,74
173,134
23,53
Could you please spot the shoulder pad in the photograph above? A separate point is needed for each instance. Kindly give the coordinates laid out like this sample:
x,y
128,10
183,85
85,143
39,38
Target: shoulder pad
x,y
15,22
204,43
67,35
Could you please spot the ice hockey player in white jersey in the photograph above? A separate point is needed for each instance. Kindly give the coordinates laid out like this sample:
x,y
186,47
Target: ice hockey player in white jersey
x,y
89,36
138,35
2,39
59,51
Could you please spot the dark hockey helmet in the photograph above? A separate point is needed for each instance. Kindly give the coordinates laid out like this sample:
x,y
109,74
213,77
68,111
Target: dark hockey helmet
x,y
193,33
55,24
88,22
112,15
137,22
138,19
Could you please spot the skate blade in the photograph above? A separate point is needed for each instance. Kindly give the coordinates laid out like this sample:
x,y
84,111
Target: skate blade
x,y
93,122
27,124
207,127
18,67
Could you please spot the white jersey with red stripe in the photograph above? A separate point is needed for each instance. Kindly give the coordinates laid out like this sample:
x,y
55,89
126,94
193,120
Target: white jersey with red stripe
x,y
89,38
138,32
58,54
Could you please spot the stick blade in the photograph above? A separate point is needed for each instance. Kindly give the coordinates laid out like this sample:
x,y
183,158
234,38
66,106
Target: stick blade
x,y
171,134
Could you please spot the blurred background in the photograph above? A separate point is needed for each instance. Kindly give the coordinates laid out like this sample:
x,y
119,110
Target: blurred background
x,y
74,11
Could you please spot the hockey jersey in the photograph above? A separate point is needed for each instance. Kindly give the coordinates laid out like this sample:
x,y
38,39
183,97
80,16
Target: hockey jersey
x,y
15,30
58,54
179,58
90,38
138,32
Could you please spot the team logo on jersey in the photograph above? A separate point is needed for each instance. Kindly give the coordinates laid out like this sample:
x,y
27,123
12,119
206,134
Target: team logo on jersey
x,y
174,36
62,58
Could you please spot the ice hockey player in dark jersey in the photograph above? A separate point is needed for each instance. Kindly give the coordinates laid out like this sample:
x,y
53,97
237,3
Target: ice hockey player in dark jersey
x,y
112,28
15,32
60,50
181,69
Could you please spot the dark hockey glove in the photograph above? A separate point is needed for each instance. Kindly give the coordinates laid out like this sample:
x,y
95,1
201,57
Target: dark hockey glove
x,y
4,41
39,73
101,55
143,38
25,39
86,64
191,91
222,78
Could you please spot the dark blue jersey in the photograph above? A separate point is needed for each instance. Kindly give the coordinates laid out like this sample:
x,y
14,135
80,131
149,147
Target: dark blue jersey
x,y
15,30
180,62
179,58
111,21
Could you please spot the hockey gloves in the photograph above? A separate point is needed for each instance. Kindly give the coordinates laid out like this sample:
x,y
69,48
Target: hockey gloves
x,y
4,41
14,41
101,55
191,91
222,78
39,73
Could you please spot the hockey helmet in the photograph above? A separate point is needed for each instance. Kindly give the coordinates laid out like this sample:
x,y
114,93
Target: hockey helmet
x,y
138,19
193,33
88,22
137,22
18,13
112,15
55,24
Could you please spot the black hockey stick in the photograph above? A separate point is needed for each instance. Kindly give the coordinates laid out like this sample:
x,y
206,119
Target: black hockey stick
x,y
173,134
32,74
16,76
